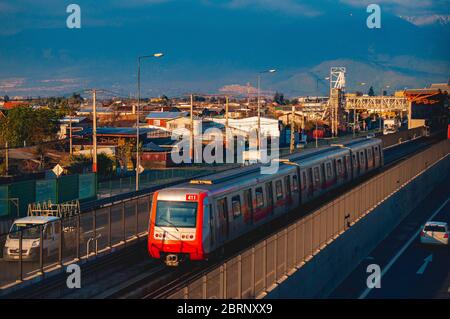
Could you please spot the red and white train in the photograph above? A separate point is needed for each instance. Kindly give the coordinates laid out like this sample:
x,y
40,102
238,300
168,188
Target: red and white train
x,y
195,219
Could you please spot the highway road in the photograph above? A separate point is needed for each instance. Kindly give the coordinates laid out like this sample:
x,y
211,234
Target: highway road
x,y
408,269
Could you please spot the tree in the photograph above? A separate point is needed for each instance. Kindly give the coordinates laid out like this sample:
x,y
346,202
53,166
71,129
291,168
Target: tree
x,y
279,98
40,152
78,164
371,92
26,125
124,152
105,165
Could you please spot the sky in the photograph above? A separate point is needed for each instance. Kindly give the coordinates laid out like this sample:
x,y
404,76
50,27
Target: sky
x,y
211,45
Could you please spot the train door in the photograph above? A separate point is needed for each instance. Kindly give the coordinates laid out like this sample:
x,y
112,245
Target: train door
x,y
287,184
209,227
236,207
316,180
259,201
222,209
376,156
348,167
328,174
369,158
339,169
363,160
279,190
296,188
248,215
304,187
269,192
355,166
322,175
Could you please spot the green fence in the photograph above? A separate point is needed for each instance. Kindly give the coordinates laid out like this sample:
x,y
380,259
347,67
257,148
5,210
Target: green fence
x,y
87,186
15,197
4,201
25,192
67,186
46,190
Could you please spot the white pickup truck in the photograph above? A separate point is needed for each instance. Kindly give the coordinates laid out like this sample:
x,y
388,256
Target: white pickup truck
x,y
31,227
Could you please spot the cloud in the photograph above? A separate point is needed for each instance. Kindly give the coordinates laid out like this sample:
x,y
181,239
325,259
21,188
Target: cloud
x,y
405,7
290,7
11,83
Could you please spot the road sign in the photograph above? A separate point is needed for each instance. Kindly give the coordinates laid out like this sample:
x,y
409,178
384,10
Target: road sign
x,y
140,169
58,170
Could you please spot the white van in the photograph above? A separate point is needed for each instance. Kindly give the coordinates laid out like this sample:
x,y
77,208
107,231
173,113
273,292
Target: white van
x,y
31,237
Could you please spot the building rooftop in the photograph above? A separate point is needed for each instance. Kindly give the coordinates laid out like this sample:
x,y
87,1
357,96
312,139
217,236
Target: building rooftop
x,y
166,115
118,131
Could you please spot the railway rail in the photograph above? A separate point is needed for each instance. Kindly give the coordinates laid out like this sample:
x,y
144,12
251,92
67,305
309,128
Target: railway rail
x,y
147,278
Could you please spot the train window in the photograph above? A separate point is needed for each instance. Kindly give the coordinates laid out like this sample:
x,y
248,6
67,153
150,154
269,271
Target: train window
x,y
329,170
279,189
287,183
295,183
355,162
316,175
339,166
259,197
369,154
376,151
269,191
236,205
361,157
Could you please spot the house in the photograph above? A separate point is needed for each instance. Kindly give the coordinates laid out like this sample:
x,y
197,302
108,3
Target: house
x,y
162,119
156,156
78,124
12,104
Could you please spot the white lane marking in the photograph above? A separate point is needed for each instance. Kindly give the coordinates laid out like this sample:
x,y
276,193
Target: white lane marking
x,y
402,250
426,261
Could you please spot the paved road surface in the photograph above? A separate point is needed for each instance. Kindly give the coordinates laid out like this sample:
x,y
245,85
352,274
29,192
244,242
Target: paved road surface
x,y
409,269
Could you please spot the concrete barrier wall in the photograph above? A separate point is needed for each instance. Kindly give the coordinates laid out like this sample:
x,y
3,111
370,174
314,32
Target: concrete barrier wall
x,y
323,273
309,258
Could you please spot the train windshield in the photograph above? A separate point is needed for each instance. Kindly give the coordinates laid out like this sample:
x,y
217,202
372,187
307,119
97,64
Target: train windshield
x,y
176,214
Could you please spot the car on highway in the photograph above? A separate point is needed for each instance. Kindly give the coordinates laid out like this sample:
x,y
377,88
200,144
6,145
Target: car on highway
x,y
434,233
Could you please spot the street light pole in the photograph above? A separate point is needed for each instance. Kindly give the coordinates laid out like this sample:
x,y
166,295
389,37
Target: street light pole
x,y
94,130
259,112
259,105
138,162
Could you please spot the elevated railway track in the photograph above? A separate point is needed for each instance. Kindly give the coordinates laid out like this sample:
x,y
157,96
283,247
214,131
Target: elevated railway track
x,y
130,273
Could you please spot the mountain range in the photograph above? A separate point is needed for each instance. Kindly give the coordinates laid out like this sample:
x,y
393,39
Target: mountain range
x,y
211,46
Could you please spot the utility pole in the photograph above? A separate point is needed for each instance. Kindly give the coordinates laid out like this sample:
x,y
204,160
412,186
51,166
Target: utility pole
x,y
191,140
6,159
248,95
226,121
94,131
317,144
259,113
292,145
70,135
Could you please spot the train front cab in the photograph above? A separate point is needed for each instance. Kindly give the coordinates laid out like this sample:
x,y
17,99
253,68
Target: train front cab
x,y
176,226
